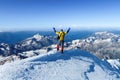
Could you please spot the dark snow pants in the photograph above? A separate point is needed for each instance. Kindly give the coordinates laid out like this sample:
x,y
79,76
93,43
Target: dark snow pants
x,y
60,43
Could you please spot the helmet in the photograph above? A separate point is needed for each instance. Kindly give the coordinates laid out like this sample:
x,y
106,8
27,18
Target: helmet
x,y
61,29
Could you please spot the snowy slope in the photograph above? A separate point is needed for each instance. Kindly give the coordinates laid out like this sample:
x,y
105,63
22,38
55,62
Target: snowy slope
x,y
72,65
115,63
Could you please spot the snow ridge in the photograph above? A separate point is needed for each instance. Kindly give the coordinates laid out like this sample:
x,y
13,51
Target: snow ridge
x,y
72,65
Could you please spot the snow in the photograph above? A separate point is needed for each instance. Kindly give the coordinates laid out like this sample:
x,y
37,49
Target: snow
x,y
72,65
115,63
28,42
2,49
102,41
8,48
75,41
34,52
100,33
38,37
118,40
105,33
1,58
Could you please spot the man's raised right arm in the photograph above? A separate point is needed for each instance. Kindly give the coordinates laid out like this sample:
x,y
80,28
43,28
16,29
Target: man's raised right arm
x,y
54,29
68,30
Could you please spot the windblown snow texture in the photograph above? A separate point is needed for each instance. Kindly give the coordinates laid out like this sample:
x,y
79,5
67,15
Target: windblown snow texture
x,y
72,65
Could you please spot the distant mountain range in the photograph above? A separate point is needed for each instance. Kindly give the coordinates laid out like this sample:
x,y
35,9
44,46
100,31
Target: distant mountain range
x,y
16,37
32,43
104,45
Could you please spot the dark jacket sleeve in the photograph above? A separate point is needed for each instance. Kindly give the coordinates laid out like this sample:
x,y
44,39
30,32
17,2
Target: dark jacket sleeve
x,y
68,30
54,29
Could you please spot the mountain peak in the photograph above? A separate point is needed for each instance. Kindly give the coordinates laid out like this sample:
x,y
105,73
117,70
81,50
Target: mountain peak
x,y
38,36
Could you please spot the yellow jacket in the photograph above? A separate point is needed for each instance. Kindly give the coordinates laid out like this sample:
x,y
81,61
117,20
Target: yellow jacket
x,y
61,34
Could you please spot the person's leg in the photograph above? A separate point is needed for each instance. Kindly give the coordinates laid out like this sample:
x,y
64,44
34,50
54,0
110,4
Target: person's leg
x,y
62,46
58,45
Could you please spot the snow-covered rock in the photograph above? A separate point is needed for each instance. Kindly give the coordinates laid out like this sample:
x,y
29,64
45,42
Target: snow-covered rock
x,y
5,49
72,65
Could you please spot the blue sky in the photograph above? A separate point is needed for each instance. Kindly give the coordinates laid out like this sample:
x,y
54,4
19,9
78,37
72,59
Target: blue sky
x,y
44,14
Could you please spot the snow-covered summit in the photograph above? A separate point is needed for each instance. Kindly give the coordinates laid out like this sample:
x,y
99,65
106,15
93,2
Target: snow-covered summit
x,y
38,37
72,65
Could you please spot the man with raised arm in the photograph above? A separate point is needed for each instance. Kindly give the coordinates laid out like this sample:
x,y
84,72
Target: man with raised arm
x,y
61,34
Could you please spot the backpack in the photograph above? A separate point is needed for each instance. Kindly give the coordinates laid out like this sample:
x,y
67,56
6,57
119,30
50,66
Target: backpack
x,y
58,37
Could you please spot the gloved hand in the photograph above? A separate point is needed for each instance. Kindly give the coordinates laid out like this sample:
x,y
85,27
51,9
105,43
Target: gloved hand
x,y
54,29
68,30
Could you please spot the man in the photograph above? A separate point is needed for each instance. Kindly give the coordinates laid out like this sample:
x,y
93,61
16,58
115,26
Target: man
x,y
61,36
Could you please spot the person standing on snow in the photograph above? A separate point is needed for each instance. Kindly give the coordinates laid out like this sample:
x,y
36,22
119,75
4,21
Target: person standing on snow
x,y
61,34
